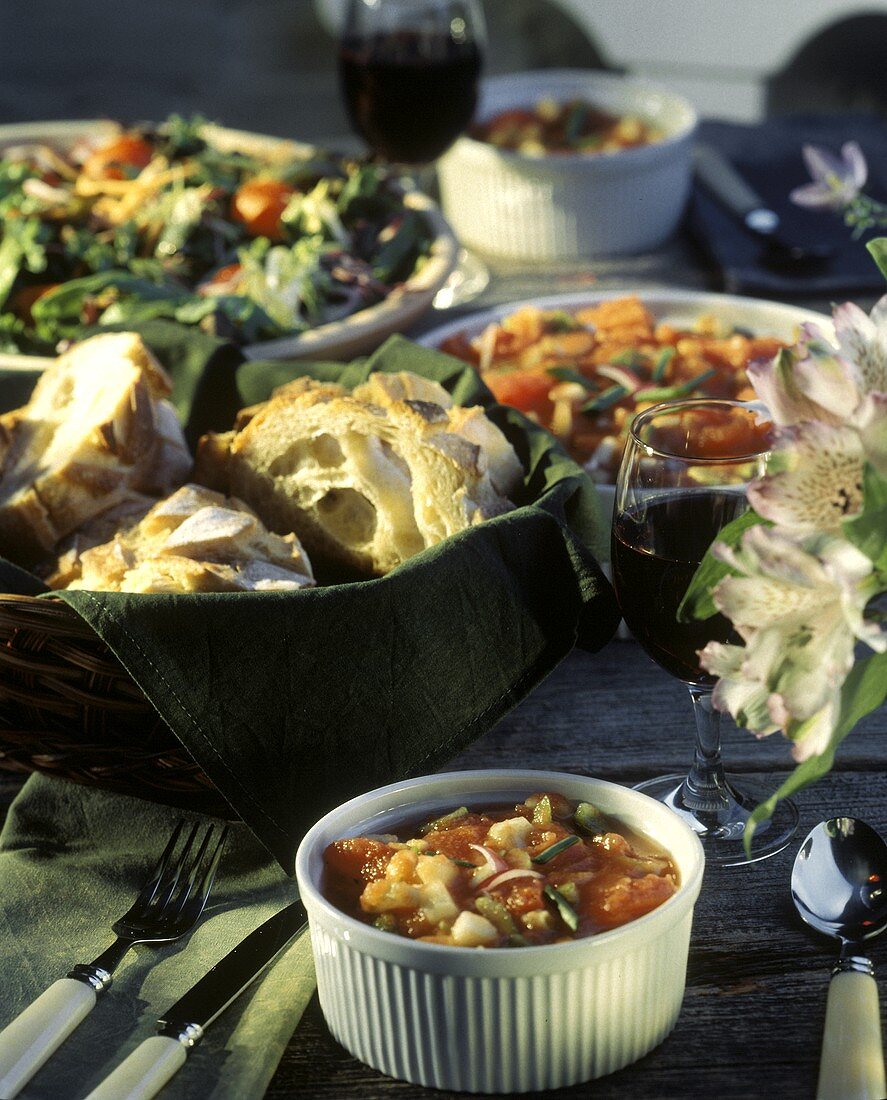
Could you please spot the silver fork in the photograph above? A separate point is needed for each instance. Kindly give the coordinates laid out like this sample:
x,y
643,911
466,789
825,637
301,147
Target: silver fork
x,y
168,906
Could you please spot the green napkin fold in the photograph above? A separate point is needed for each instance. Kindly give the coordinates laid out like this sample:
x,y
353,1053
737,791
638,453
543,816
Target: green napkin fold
x,y
72,860
293,701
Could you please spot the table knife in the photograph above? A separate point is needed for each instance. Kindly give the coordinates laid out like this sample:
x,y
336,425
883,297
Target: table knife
x,y
718,176
151,1065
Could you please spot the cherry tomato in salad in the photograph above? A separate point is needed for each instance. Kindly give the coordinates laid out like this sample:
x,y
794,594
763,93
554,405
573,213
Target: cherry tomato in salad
x,y
120,158
224,281
258,204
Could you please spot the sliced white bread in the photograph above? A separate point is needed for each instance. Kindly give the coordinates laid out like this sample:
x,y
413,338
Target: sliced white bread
x,y
194,541
365,480
97,430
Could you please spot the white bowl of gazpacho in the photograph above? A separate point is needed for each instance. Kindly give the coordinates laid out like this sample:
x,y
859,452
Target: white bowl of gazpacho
x,y
500,931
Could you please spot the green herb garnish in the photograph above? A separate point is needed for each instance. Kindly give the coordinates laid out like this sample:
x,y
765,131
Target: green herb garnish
x,y
605,399
445,821
665,357
497,914
590,819
568,374
555,849
542,811
671,393
567,913
561,321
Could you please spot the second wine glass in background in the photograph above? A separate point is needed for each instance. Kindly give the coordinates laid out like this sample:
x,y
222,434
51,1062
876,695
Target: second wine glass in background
x,y
409,71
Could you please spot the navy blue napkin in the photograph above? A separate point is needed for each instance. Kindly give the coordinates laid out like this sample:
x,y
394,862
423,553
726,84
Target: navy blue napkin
x,y
768,156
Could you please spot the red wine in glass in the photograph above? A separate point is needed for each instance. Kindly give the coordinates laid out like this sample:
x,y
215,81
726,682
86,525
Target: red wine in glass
x,y
656,550
409,97
409,74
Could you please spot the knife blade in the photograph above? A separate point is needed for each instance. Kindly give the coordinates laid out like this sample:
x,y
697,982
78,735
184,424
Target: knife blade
x,y
718,176
182,1026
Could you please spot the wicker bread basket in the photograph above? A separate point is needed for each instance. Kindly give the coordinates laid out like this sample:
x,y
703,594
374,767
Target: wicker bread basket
x,y
69,708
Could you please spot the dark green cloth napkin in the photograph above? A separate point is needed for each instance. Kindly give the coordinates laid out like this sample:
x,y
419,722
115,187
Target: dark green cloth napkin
x,y
72,860
293,701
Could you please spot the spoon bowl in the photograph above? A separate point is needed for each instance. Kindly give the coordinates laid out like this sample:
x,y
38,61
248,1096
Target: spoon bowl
x,y
839,887
839,880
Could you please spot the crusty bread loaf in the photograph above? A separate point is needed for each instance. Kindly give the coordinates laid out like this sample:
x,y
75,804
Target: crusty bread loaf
x,y
193,541
97,430
366,479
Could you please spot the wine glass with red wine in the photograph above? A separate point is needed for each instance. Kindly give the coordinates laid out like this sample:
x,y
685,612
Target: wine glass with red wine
x,y
683,477
409,72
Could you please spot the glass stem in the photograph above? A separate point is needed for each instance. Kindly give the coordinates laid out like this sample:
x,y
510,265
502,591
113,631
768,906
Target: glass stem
x,y
705,787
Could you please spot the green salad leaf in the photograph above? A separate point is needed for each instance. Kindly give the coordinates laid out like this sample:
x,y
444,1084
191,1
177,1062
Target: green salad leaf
x,y
155,242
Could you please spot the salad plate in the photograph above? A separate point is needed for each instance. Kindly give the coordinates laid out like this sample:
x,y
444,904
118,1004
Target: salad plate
x,y
335,315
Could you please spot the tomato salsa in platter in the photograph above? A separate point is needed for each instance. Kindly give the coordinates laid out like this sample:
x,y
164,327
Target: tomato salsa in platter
x,y
585,374
546,870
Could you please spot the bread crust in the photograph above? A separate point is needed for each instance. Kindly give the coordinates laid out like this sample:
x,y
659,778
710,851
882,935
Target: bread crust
x,y
368,479
97,429
195,540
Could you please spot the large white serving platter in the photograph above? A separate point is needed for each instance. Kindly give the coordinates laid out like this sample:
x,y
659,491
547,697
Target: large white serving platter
x,y
342,339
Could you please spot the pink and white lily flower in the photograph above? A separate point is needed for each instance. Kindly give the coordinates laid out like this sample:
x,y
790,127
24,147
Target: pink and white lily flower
x,y
814,478
837,181
816,380
798,606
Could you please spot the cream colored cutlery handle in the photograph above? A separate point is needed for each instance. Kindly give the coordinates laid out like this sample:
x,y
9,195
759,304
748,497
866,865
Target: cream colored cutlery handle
x,y
144,1073
852,1062
36,1033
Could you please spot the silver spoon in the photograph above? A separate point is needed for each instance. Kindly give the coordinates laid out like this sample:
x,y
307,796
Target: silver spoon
x,y
839,887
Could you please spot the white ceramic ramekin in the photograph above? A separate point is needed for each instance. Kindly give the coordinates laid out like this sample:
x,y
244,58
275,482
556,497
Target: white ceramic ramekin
x,y
570,206
509,1019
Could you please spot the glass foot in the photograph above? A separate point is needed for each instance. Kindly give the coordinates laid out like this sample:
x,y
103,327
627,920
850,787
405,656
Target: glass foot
x,y
721,830
468,279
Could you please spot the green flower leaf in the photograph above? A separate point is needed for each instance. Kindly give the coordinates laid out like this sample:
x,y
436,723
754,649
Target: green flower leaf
x,y
866,530
864,690
697,602
878,249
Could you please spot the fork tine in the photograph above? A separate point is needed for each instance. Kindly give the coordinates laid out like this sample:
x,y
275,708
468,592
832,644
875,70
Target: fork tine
x,y
200,897
176,872
149,890
170,881
188,885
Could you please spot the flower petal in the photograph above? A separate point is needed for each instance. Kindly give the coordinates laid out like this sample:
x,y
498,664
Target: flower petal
x,y
813,736
821,483
863,340
855,164
777,388
843,175
813,196
871,423
741,697
822,164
